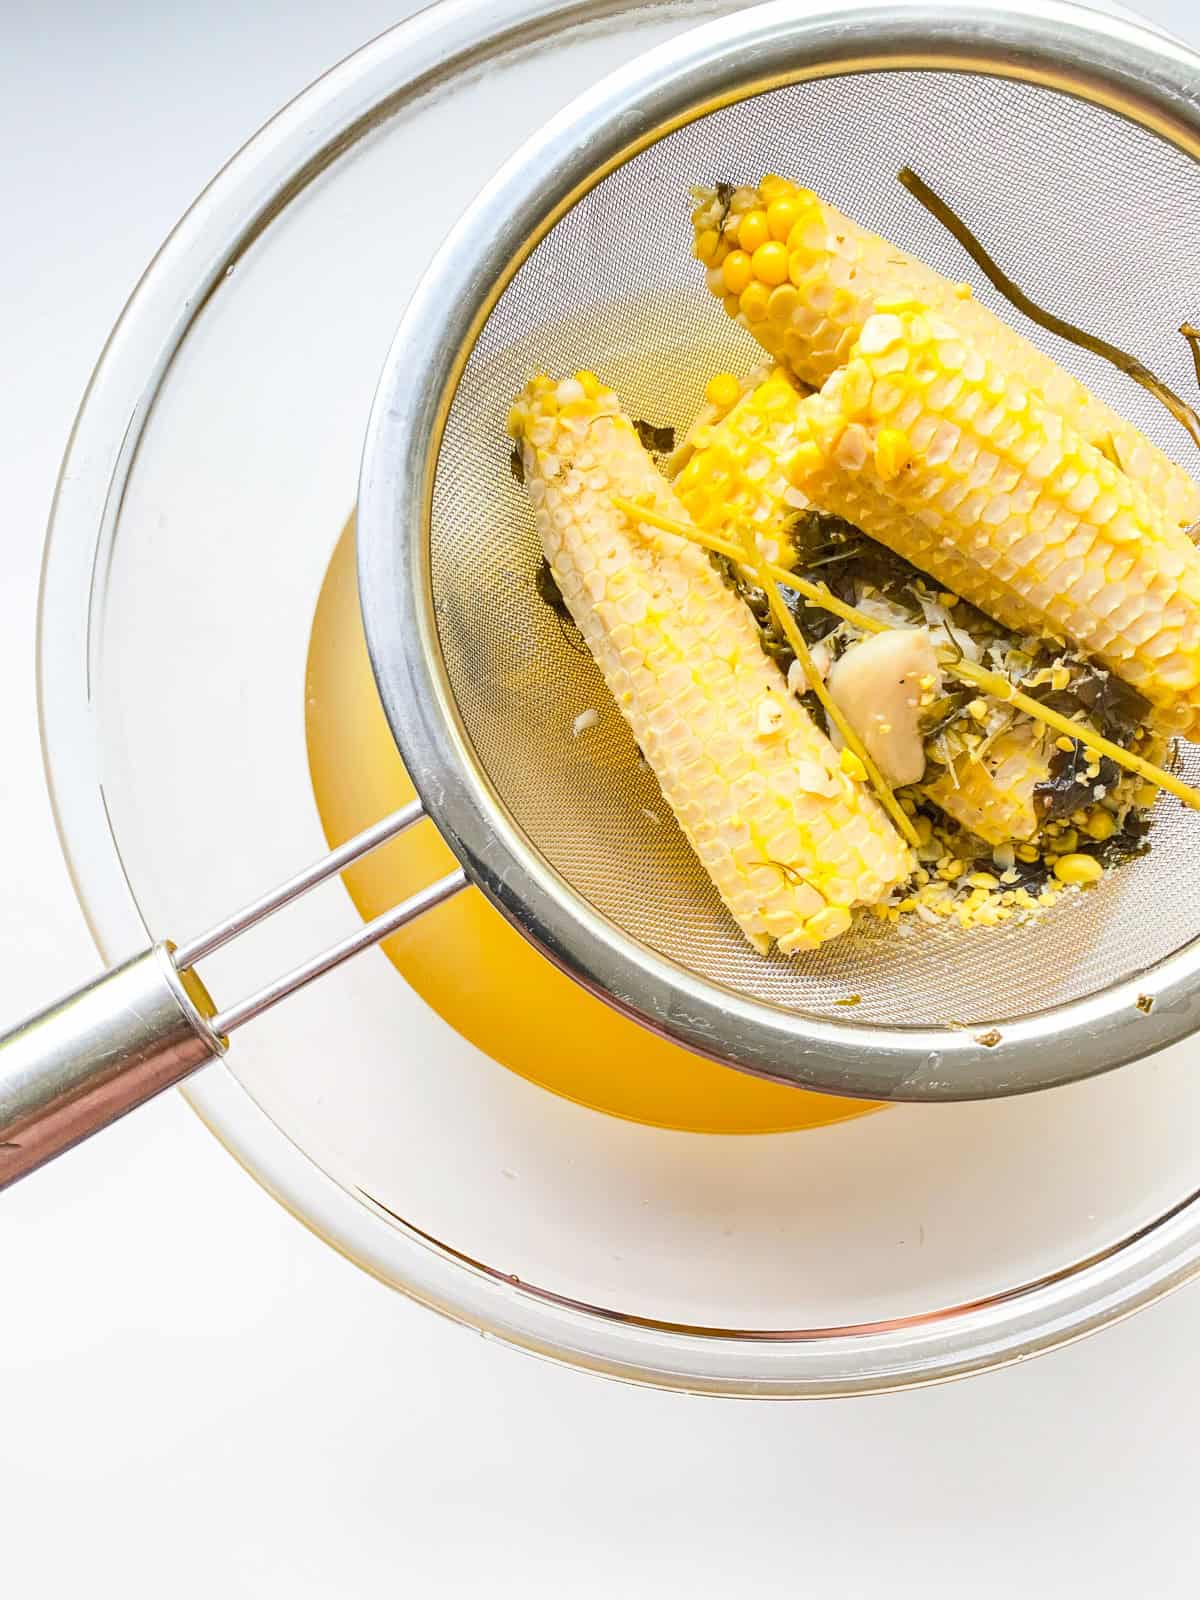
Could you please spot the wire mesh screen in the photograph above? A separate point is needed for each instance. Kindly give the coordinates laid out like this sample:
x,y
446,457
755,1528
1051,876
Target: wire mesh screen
x,y
1093,216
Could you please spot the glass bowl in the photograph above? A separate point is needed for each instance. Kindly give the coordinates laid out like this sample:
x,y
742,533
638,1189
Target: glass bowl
x,y
210,473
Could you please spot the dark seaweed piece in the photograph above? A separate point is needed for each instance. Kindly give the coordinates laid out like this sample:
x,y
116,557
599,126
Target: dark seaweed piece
x,y
848,560
1067,787
1129,365
946,709
1116,710
1031,876
548,591
516,464
815,710
659,441
1129,842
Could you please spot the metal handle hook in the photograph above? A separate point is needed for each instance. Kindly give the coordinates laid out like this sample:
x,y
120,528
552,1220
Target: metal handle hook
x,y
70,1070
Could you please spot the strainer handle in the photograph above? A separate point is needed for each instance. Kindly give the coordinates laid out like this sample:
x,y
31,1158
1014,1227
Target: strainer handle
x,y
86,1060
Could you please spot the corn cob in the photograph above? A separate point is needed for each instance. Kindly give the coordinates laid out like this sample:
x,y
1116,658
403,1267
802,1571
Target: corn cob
x,y
721,394
789,839
736,478
803,279
742,473
993,798
1001,501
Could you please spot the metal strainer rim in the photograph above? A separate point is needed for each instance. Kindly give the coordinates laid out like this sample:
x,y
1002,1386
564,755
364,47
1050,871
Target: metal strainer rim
x,y
1119,66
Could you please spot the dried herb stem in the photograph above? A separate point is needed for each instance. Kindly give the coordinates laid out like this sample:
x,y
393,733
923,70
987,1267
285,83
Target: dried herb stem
x,y
1121,359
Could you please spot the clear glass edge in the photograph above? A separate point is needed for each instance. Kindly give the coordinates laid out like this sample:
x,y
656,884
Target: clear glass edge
x,y
933,1347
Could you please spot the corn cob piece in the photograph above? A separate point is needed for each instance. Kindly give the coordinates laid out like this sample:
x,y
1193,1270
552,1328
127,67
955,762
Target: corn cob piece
x,y
736,479
743,474
721,394
993,798
789,839
1005,503
803,279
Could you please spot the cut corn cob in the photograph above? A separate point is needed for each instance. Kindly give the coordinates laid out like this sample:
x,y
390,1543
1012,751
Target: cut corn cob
x,y
744,472
993,798
790,841
803,279
721,395
935,450
736,479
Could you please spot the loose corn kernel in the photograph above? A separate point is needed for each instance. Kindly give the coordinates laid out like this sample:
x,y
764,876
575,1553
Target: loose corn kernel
x,y
924,829
947,599
978,709
770,262
1064,744
1146,795
754,300
1078,869
1028,853
963,291
753,230
1101,825
1067,842
723,391
983,880
736,272
851,765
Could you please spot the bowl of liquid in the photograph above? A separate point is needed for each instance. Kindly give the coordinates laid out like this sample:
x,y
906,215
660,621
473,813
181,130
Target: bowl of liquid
x,y
450,1111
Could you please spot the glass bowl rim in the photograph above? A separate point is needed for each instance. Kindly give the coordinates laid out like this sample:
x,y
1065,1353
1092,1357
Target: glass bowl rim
x,y
299,143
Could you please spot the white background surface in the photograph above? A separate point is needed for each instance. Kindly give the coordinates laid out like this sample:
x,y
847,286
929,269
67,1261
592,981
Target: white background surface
x,y
199,1399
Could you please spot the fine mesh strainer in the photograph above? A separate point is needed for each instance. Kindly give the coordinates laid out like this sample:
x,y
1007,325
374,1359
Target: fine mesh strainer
x,y
1070,141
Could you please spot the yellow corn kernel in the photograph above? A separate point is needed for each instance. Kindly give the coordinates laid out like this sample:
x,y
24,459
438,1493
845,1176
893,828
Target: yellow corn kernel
x,y
770,263
893,452
723,391
736,272
753,300
782,216
753,230
983,880
1028,853
1078,869
807,458
1101,825
1064,744
774,187
851,765
706,244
